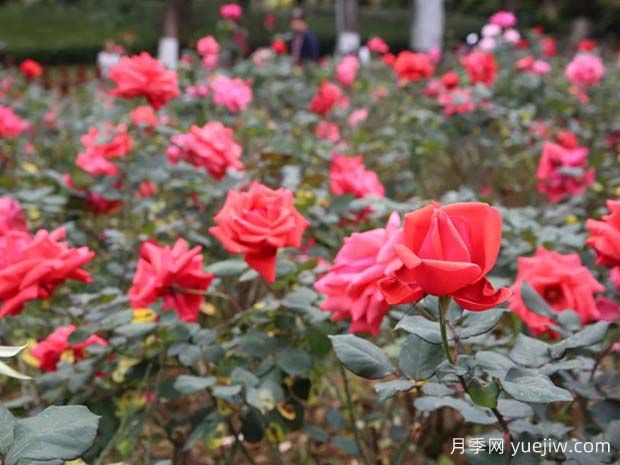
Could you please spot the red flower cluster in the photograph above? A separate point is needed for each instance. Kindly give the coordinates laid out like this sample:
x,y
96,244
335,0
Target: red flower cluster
x,y
256,223
211,147
174,273
348,175
56,347
143,76
102,145
411,67
326,97
481,68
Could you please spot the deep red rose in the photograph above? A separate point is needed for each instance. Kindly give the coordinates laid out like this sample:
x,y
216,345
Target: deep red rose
x,y
143,76
279,46
562,281
450,80
256,223
174,273
30,69
56,347
411,67
481,68
548,47
448,251
587,45
34,267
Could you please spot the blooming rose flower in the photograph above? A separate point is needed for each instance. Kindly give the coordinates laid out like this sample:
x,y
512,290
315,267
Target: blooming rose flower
x,y
586,45
512,36
102,145
327,130
449,80
233,94
326,97
348,175
491,30
585,70
548,47
257,222
458,100
605,236
33,269
563,171
143,76
144,115
487,44
211,147
30,69
11,125
11,216
608,309
346,70
503,19
448,251
56,347
146,189
231,11
377,45
209,49
562,281
411,67
357,116
529,64
279,46
480,67
350,285
174,273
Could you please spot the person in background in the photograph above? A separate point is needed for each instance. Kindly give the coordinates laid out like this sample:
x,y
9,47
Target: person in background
x,y
107,58
304,43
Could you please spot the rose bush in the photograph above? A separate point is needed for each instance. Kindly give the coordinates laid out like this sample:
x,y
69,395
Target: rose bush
x,y
217,244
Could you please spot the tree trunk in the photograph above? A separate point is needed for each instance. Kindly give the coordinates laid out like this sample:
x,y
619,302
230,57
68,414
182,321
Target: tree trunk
x,y
168,52
347,35
426,24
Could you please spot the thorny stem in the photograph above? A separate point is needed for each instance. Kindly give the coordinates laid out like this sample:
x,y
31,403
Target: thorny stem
x,y
444,304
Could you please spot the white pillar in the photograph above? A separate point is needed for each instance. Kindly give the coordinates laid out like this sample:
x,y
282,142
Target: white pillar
x,y
347,35
427,24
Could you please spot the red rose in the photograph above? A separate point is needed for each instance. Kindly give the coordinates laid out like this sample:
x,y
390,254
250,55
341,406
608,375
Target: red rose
x,y
30,69
56,347
480,67
605,236
11,125
102,145
450,80
562,281
548,47
410,66
348,175
279,46
586,45
448,251
211,146
257,222
174,273
35,267
143,76
326,98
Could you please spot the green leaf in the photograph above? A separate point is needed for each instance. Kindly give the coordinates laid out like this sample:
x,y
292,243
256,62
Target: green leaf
x,y
477,323
57,433
420,326
187,384
483,394
299,299
231,267
418,358
535,302
589,336
471,413
534,388
530,352
391,388
345,444
295,362
7,424
362,357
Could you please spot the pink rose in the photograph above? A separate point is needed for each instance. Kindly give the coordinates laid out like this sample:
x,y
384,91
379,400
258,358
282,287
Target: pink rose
x,y
231,11
377,45
348,175
346,71
503,19
11,125
350,285
233,94
102,145
326,130
357,116
585,70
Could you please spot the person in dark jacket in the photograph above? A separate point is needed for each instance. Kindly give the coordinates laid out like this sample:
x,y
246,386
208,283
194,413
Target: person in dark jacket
x,y
304,43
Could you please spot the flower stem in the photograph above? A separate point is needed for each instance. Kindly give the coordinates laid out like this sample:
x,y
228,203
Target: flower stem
x,y
444,304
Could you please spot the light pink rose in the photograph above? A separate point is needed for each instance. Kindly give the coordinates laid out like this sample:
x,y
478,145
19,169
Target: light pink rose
x,y
585,70
232,93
